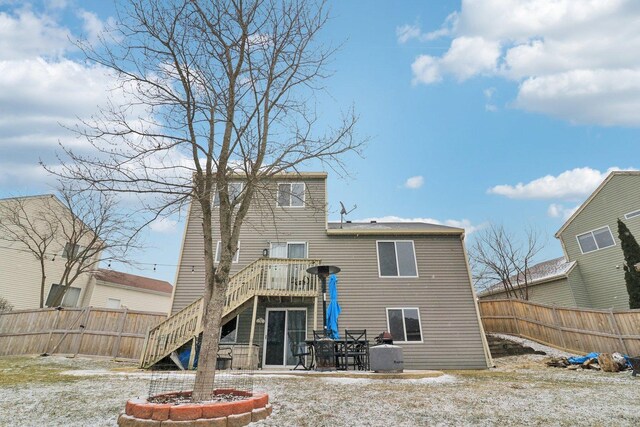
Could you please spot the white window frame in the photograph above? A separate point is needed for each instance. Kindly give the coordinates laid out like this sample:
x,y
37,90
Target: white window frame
x,y
415,259
306,248
236,257
405,325
215,193
286,332
633,214
289,206
594,239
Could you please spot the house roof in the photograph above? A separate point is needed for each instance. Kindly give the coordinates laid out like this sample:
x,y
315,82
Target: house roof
x,y
381,228
133,281
539,273
592,196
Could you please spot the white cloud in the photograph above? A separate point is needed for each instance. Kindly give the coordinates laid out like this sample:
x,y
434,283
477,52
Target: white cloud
x,y
569,185
557,210
463,223
163,225
488,95
414,182
26,35
92,25
467,57
571,59
409,32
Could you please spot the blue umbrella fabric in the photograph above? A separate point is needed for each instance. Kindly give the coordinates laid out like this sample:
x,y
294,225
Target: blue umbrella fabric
x,y
333,311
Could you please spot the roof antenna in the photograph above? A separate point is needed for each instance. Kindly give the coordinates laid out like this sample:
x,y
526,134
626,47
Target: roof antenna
x,y
344,212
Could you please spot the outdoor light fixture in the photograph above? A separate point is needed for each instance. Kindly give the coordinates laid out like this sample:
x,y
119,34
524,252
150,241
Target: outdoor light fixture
x,y
265,252
323,271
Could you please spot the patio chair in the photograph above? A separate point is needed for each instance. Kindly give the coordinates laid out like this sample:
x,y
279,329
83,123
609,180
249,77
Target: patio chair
x,y
300,350
319,334
224,358
356,349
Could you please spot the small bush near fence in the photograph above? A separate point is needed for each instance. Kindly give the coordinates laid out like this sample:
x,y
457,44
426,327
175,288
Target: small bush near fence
x,y
4,305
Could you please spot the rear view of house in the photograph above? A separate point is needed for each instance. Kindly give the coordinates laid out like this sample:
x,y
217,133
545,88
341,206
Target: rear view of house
x,y
408,278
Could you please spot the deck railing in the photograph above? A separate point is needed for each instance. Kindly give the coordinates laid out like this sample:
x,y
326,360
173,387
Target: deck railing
x,y
263,277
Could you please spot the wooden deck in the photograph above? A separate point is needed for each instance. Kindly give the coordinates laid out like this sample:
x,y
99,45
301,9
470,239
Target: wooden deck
x,y
263,277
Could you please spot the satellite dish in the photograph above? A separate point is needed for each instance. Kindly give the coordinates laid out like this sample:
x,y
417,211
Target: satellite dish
x,y
343,212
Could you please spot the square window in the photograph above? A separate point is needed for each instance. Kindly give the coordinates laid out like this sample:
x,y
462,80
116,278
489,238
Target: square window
x,y
597,239
404,324
71,250
291,194
236,257
70,298
113,303
235,188
397,259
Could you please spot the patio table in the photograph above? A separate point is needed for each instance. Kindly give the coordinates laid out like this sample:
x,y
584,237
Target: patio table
x,y
341,362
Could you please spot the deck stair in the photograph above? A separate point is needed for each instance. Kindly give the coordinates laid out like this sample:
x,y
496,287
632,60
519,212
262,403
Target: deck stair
x,y
263,277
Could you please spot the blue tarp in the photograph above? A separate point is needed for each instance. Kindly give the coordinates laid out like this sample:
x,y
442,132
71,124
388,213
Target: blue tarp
x,y
579,360
333,311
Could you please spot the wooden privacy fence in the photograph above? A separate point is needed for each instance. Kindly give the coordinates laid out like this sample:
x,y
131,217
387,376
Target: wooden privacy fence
x,y
573,329
88,331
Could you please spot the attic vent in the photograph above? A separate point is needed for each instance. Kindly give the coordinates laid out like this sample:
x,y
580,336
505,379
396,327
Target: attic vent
x,y
374,222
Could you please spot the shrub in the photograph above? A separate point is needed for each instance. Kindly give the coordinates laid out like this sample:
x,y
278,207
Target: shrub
x,y
4,305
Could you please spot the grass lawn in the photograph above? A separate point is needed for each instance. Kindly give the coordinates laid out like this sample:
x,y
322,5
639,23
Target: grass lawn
x,y
56,391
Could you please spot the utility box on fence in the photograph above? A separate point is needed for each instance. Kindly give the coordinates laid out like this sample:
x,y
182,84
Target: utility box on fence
x,y
386,358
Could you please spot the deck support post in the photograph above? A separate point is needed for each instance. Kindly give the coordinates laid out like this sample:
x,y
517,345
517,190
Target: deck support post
x,y
315,313
253,329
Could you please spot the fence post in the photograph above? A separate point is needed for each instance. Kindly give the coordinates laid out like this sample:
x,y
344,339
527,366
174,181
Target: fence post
x,y
559,324
515,318
83,326
616,330
116,345
55,327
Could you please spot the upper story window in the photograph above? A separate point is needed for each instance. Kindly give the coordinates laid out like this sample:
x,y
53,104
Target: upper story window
x,y
219,252
595,240
404,324
71,250
397,258
235,188
632,214
291,194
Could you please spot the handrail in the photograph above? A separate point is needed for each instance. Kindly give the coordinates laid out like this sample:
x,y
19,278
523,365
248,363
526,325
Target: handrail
x,y
265,276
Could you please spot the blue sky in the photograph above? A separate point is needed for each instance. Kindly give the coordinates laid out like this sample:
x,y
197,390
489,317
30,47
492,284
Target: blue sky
x,y
478,112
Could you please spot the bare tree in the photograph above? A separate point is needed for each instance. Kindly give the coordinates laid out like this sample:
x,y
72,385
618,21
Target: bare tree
x,y
499,257
227,89
78,228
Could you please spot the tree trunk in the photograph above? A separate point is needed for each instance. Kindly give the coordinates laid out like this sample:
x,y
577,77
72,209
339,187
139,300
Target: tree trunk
x,y
42,282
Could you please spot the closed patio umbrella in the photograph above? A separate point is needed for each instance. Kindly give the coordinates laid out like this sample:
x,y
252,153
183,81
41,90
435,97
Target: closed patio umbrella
x,y
333,311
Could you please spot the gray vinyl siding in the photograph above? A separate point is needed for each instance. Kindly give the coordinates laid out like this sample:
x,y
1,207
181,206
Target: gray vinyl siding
x,y
604,283
555,292
452,334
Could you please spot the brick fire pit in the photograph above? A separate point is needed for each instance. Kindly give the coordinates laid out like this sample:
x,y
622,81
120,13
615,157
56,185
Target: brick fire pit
x,y
140,412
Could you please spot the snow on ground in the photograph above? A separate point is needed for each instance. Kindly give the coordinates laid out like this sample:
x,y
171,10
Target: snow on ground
x,y
520,391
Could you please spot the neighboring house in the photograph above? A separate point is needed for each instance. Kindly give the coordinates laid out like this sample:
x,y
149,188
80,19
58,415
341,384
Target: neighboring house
x,y
593,274
20,271
114,289
408,278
